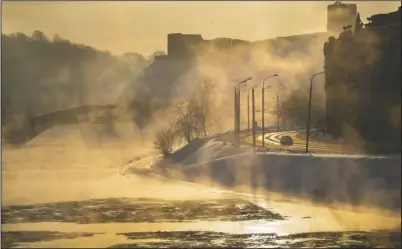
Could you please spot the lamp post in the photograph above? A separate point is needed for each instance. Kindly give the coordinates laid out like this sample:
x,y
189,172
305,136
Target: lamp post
x,y
237,108
248,108
309,110
253,111
263,114
248,111
262,107
278,109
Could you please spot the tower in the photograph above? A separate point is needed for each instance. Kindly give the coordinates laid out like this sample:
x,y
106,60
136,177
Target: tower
x,y
339,15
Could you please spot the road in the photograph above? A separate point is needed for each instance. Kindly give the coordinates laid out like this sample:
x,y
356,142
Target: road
x,y
68,188
272,140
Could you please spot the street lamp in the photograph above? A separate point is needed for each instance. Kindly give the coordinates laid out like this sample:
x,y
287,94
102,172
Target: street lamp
x,y
239,104
240,84
278,111
248,110
309,109
237,107
253,112
263,104
263,114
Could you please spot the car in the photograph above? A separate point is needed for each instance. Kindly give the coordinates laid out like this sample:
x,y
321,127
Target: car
x,y
286,141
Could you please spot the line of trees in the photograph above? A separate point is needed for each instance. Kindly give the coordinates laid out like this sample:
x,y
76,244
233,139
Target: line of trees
x,y
42,75
293,111
35,67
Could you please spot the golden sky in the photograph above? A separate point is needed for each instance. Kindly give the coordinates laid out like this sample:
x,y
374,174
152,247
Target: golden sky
x,y
143,26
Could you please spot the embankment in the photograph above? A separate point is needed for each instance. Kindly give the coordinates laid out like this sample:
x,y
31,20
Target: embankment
x,y
361,180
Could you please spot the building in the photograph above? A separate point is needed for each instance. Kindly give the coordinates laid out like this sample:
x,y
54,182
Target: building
x,y
183,46
362,63
188,46
363,80
340,15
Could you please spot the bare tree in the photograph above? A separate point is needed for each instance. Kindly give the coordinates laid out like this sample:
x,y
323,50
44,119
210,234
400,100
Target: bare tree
x,y
186,124
201,105
193,116
164,141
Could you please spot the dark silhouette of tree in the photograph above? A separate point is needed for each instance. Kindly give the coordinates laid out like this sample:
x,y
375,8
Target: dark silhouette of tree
x,y
296,106
39,36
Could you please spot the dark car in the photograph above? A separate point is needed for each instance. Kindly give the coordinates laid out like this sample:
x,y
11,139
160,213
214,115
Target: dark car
x,y
286,141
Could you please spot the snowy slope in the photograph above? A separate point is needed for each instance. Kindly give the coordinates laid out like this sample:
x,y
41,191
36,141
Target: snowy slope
x,y
358,179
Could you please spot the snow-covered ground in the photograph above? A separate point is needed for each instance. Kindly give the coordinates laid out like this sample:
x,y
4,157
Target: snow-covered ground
x,y
353,179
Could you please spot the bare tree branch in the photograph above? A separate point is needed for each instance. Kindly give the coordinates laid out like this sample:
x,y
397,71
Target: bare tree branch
x,y
165,141
202,103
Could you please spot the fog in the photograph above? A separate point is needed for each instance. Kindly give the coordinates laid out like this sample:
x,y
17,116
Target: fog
x,y
146,91
80,155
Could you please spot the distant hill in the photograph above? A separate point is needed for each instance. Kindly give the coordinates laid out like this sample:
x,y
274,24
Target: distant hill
x,y
42,75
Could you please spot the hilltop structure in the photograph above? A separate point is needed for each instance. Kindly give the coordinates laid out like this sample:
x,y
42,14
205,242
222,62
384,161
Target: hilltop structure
x,y
189,46
234,58
362,64
363,80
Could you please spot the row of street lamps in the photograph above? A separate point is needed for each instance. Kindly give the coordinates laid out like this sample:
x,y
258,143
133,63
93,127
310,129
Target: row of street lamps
x,y
263,88
237,107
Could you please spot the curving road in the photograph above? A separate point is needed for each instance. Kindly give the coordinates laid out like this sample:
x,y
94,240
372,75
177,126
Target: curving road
x,y
272,140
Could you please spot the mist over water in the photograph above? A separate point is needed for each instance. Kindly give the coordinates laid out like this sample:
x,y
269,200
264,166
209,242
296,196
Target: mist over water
x,y
105,155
